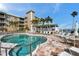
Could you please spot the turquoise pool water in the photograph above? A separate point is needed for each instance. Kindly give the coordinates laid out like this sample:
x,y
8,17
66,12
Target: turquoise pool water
x,y
26,43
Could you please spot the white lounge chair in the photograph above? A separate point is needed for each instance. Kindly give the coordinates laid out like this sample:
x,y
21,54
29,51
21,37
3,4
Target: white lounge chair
x,y
75,49
64,54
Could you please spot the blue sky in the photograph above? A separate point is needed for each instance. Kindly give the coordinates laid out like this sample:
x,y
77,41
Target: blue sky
x,y
58,11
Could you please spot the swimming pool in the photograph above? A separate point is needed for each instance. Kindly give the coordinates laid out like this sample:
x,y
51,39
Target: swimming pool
x,y
26,43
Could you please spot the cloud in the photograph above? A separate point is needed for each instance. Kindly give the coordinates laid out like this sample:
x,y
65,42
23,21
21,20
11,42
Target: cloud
x,y
9,7
65,26
2,7
56,7
19,7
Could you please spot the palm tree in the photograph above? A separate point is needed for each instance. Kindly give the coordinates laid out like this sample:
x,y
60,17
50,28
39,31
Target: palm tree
x,y
73,14
14,25
11,24
26,27
48,19
42,20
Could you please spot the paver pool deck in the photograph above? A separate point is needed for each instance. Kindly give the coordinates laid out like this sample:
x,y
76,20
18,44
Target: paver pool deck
x,y
52,47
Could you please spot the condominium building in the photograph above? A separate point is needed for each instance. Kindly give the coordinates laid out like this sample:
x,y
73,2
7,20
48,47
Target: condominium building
x,y
8,22
30,23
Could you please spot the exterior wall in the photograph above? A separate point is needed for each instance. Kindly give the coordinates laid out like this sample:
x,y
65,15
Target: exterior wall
x,y
28,20
13,27
21,24
3,22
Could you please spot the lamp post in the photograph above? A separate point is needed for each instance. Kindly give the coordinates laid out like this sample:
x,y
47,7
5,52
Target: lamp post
x,y
74,13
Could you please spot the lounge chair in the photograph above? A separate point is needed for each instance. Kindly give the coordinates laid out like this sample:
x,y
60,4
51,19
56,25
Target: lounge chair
x,y
75,49
64,54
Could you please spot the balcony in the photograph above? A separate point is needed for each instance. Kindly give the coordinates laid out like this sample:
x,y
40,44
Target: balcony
x,y
2,16
3,22
3,26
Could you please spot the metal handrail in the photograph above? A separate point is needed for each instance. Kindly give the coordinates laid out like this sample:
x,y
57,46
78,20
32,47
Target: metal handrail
x,y
28,45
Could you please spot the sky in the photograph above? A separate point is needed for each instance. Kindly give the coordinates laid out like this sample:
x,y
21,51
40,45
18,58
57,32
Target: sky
x,y
60,12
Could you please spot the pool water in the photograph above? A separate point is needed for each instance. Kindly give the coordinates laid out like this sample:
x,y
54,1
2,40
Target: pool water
x,y
26,43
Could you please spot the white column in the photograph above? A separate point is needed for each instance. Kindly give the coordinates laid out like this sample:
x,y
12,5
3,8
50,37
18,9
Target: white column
x,y
31,24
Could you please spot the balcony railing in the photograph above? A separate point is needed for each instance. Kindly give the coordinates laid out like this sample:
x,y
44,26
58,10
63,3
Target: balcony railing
x,y
2,16
3,26
4,22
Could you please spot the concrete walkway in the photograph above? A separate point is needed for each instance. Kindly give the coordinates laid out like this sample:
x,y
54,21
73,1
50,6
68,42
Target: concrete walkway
x,y
6,46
